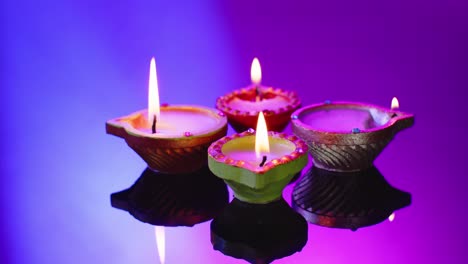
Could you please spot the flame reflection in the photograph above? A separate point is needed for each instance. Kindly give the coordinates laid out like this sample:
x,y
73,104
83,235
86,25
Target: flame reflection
x,y
161,243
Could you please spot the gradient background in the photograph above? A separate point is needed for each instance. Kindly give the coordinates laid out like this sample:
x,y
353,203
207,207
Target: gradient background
x,y
68,66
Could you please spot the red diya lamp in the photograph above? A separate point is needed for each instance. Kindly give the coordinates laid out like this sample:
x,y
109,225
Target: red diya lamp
x,y
170,138
348,136
243,106
257,165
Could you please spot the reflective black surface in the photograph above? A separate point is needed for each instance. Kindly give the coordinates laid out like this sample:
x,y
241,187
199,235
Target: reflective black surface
x,y
262,233
258,233
173,200
346,200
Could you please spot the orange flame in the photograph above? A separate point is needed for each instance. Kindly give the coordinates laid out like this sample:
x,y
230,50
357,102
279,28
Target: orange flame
x,y
153,94
262,145
256,72
391,217
161,243
395,103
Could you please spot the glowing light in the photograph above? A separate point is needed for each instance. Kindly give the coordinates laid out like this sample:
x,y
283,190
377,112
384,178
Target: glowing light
x,y
153,94
395,104
391,217
161,243
255,72
262,145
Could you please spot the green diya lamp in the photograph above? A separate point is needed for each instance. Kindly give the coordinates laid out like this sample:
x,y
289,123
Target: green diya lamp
x,y
257,165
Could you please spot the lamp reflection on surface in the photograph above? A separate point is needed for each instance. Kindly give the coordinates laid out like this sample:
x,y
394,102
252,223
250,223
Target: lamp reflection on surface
x,y
173,199
258,233
347,199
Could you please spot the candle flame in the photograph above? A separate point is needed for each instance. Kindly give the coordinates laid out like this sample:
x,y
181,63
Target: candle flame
x,y
395,104
153,94
262,146
256,72
161,243
391,217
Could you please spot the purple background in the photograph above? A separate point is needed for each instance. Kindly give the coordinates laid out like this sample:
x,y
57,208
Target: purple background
x,y
66,68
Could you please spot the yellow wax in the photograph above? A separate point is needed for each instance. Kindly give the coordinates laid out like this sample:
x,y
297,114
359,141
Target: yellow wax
x,y
243,149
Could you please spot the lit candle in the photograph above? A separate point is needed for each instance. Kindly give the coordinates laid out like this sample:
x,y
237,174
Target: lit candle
x,y
170,121
257,166
154,112
171,139
395,104
262,145
243,106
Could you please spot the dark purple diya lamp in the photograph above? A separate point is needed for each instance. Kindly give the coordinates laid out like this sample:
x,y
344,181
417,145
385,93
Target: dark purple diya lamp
x,y
243,106
348,136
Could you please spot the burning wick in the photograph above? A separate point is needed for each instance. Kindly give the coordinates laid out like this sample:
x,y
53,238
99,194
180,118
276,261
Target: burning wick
x,y
258,94
264,159
256,77
394,106
154,110
262,145
153,127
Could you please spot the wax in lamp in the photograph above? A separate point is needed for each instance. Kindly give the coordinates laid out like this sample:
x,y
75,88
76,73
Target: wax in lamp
x,y
243,106
348,136
170,138
258,166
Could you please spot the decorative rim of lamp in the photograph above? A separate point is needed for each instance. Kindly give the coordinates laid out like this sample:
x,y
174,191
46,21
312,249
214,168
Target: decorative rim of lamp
x,y
222,103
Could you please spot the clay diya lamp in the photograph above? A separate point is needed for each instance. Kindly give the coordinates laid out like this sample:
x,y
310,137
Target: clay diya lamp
x,y
257,165
348,136
243,106
171,138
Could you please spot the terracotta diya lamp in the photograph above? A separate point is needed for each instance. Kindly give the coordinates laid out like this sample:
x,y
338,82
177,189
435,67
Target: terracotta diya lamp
x,y
348,136
257,165
243,106
170,138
